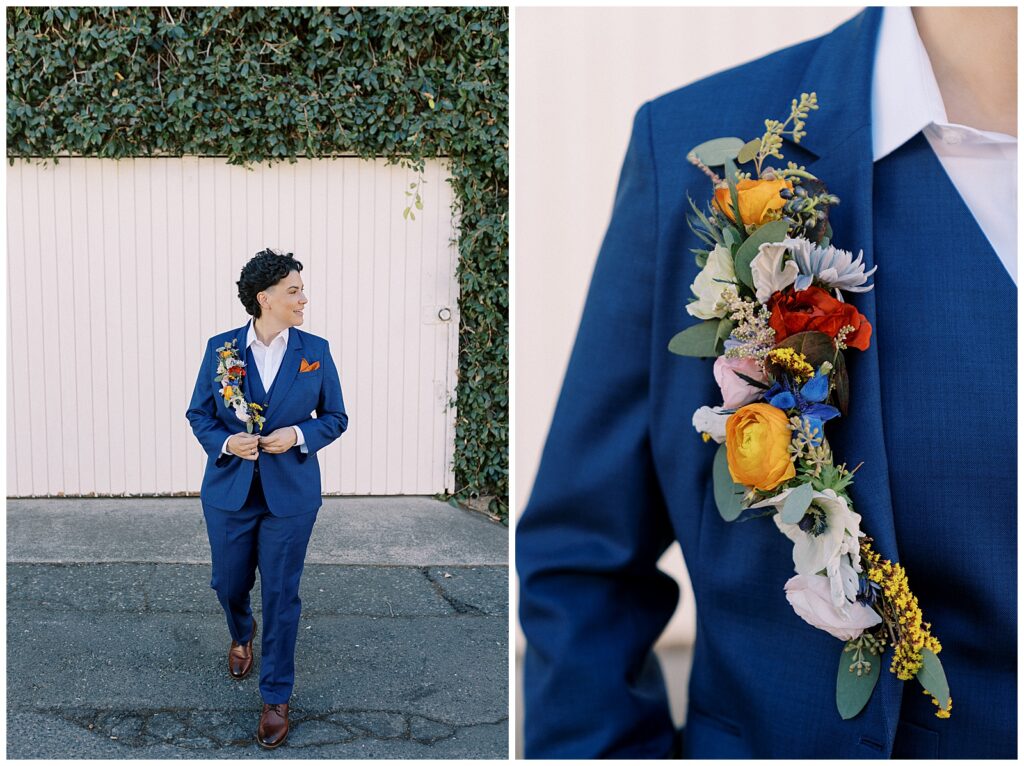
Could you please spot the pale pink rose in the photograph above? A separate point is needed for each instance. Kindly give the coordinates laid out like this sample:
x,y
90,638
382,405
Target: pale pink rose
x,y
811,598
735,391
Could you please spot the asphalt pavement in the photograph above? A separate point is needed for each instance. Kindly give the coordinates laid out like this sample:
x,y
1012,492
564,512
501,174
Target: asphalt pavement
x,y
116,645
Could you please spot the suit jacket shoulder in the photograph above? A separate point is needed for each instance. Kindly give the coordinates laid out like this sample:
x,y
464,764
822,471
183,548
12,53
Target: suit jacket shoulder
x,y
736,91
733,102
309,339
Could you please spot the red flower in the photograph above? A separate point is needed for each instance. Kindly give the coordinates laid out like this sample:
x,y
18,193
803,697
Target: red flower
x,y
236,371
814,309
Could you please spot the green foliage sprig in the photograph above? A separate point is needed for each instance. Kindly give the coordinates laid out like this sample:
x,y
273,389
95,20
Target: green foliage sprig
x,y
265,84
770,143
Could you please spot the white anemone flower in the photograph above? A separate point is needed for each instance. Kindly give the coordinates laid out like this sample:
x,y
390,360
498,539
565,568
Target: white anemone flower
x,y
718,274
832,268
711,421
835,549
772,272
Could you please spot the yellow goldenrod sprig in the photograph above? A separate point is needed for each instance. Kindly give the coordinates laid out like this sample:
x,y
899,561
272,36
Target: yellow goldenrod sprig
x,y
942,712
793,362
909,634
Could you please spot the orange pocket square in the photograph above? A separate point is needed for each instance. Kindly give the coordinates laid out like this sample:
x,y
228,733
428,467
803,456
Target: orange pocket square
x,y
307,367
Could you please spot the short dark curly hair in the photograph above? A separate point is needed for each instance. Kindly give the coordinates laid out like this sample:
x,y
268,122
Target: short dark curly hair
x,y
263,270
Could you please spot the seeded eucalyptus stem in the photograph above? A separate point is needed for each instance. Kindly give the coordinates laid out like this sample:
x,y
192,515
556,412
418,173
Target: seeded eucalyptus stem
x,y
866,643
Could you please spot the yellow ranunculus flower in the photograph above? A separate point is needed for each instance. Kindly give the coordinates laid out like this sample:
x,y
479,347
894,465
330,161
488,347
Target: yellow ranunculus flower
x,y
228,392
759,199
757,446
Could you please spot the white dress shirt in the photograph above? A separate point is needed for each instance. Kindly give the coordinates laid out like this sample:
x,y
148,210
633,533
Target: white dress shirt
x,y
268,360
905,100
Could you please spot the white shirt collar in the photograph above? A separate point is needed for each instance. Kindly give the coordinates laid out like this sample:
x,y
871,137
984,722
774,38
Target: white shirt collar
x,y
905,96
251,338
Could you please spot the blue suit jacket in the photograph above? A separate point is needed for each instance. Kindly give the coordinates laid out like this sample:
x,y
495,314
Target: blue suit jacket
x,y
623,474
291,480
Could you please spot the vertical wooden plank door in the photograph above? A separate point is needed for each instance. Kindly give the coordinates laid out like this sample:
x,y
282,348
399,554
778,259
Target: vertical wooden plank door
x,y
120,270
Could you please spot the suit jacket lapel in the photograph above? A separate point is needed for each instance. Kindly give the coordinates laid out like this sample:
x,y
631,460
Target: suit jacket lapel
x,y
839,150
839,134
241,335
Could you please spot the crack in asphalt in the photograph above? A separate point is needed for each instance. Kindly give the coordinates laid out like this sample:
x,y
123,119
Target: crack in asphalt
x,y
19,599
460,606
193,729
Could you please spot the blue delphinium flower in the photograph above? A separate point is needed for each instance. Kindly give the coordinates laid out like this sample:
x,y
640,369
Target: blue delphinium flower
x,y
807,400
868,591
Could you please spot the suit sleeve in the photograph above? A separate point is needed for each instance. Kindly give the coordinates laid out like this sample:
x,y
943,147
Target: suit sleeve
x,y
202,411
331,420
592,601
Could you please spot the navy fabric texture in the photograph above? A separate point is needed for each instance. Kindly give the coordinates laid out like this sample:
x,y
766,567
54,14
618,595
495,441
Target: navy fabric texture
x,y
291,481
253,538
623,474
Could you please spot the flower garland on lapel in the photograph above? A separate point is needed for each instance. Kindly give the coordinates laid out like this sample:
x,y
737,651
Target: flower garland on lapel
x,y
770,294
230,371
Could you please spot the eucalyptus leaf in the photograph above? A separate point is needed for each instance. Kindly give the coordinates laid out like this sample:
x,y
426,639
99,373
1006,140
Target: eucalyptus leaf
x,y
853,691
725,327
749,151
718,150
797,503
739,234
700,340
770,232
933,677
728,493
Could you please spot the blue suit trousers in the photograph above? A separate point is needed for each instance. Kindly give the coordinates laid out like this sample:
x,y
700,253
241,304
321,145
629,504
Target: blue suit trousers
x,y
241,542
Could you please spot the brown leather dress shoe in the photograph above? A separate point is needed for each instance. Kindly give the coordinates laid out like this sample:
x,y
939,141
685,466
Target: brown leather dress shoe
x,y
273,728
240,657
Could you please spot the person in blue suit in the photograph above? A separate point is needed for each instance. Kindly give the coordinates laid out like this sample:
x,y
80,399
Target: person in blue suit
x,y
261,490
932,416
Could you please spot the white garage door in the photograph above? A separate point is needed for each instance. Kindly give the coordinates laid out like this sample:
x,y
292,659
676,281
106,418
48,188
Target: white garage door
x,y
119,271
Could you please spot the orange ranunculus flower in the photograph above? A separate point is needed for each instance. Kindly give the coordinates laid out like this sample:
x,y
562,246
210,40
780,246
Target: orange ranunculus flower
x,y
758,199
757,446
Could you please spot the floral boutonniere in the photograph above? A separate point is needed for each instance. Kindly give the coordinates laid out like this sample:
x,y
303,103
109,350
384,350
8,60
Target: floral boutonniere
x,y
770,294
230,371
